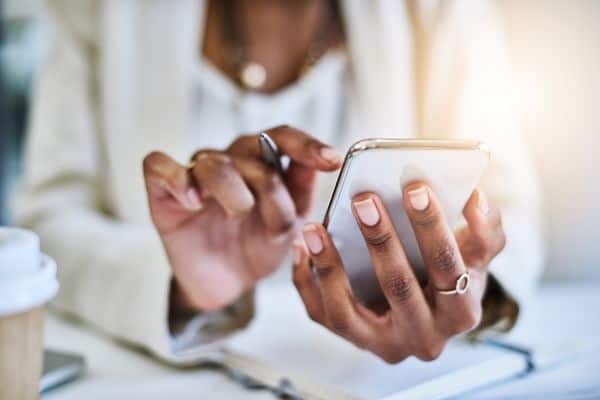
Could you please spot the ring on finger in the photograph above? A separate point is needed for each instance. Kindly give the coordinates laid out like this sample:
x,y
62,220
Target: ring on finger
x,y
462,285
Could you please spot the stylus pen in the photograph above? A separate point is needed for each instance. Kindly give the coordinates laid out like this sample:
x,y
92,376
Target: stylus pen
x,y
270,153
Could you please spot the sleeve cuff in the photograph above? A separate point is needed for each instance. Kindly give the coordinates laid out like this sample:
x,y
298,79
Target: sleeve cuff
x,y
500,309
191,334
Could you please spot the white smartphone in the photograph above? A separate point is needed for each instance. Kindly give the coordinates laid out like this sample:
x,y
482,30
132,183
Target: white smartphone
x,y
452,168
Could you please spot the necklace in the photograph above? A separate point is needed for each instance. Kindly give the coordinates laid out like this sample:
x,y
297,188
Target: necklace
x,y
252,75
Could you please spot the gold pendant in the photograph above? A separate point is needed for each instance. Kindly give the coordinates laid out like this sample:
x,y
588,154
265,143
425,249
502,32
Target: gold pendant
x,y
253,75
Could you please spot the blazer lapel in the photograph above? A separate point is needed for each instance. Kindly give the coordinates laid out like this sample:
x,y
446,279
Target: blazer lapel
x,y
149,49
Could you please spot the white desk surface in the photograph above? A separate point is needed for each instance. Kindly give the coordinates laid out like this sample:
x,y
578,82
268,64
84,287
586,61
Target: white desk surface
x,y
568,311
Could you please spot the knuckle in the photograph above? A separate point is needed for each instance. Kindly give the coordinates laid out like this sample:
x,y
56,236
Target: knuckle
x,y
284,226
479,237
392,357
428,354
360,342
219,170
269,183
379,240
479,257
152,160
430,350
427,219
470,320
399,287
282,127
340,323
218,159
314,316
466,322
239,141
444,258
196,155
324,271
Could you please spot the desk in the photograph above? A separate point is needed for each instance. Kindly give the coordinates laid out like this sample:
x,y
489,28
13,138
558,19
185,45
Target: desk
x,y
562,311
116,372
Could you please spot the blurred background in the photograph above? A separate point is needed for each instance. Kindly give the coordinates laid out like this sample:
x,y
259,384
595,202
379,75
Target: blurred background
x,y
555,56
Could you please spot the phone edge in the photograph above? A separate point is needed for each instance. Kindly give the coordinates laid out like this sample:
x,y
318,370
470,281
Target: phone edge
x,y
394,143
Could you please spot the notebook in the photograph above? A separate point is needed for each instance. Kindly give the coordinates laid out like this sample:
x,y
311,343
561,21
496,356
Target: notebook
x,y
285,351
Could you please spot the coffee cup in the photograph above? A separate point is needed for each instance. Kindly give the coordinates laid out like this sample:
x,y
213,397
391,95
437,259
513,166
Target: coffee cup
x,y
27,283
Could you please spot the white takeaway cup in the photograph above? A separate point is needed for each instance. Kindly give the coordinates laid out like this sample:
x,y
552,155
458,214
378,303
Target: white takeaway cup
x,y
27,283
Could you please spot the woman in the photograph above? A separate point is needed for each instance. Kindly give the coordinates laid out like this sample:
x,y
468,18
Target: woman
x,y
188,78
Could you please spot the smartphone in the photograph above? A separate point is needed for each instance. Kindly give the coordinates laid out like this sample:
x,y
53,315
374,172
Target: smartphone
x,y
452,168
60,368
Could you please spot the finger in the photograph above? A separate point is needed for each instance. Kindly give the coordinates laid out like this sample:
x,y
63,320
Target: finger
x,y
274,202
338,300
307,156
436,241
300,181
306,285
443,261
218,179
166,179
484,237
398,281
299,146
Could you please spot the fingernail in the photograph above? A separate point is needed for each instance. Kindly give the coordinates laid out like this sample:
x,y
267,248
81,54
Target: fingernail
x,y
312,239
192,199
367,212
419,198
330,155
298,251
482,203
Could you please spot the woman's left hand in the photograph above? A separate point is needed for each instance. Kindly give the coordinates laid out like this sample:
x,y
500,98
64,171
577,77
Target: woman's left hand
x,y
419,320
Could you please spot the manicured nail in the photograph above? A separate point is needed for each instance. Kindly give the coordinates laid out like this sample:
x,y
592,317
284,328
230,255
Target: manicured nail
x,y
419,198
298,251
482,203
192,199
312,239
330,155
367,212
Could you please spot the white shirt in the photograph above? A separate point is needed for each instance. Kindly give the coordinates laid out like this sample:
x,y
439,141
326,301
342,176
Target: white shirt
x,y
123,79
312,104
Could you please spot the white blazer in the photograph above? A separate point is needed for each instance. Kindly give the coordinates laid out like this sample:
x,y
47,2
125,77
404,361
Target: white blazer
x,y
116,86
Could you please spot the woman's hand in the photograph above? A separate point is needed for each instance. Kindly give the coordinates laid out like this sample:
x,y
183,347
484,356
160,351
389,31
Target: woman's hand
x,y
229,220
419,320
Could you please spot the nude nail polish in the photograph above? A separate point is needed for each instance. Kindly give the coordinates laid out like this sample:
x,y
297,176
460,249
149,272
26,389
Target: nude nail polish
x,y
313,239
330,155
419,198
367,212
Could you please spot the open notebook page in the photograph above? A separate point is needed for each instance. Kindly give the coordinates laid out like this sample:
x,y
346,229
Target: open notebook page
x,y
284,338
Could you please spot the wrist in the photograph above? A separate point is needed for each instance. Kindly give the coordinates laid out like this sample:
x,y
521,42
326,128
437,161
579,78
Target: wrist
x,y
180,305
185,301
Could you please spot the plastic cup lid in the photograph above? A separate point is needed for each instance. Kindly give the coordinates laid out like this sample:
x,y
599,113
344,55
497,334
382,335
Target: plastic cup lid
x,y
27,277
19,252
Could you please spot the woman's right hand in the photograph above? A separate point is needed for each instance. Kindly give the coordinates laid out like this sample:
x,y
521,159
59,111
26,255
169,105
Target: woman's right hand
x,y
229,220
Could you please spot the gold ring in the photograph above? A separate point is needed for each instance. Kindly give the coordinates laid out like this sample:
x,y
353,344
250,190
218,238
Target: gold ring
x,y
462,285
